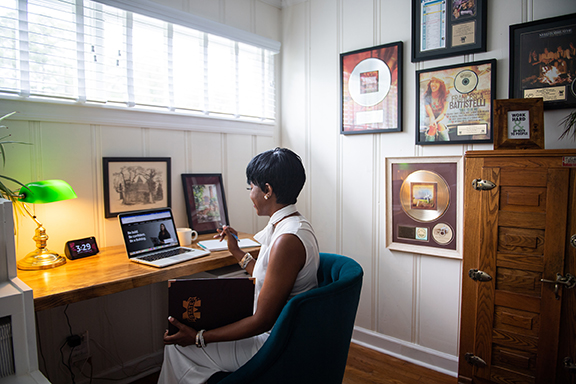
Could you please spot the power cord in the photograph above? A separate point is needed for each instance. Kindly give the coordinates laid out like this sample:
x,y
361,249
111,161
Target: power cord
x,y
39,340
73,341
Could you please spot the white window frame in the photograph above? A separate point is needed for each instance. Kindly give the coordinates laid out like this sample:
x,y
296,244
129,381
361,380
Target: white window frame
x,y
64,111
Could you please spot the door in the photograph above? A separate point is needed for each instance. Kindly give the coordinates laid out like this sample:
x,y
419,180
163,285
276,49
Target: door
x,y
522,242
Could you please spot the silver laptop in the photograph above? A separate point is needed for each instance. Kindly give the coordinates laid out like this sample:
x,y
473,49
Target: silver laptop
x,y
150,238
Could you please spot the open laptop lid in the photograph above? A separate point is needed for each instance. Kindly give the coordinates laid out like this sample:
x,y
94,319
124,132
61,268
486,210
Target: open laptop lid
x,y
148,231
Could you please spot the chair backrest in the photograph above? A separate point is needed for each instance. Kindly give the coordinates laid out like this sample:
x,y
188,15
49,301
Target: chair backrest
x,y
310,340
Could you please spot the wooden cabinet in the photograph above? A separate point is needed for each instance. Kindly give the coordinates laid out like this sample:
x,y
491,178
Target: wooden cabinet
x,y
515,327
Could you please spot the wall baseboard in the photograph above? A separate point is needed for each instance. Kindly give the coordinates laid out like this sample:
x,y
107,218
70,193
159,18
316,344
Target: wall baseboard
x,y
130,370
416,354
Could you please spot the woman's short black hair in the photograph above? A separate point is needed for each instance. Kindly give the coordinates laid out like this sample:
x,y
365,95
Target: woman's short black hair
x,y
282,169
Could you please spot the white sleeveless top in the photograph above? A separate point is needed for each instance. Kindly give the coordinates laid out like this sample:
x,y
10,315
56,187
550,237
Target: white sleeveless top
x,y
296,225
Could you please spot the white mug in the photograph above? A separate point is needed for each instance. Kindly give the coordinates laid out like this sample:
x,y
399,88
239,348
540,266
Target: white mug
x,y
186,235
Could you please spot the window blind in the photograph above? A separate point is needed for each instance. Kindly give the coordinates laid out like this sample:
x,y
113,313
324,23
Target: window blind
x,y
89,52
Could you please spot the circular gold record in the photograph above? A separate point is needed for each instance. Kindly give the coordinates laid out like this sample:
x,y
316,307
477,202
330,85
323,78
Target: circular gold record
x,y
442,233
466,81
424,196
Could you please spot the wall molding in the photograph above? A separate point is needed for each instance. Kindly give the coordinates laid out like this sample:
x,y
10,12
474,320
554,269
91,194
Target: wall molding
x,y
114,116
413,353
153,360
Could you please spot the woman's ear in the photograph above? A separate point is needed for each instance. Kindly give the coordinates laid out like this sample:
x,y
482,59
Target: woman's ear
x,y
268,191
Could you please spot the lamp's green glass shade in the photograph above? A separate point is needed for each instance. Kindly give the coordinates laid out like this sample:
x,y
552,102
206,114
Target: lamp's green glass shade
x,y
46,191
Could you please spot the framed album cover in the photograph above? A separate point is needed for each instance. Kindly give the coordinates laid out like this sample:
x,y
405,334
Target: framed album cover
x,y
519,124
205,202
371,89
444,28
454,104
424,205
135,183
543,61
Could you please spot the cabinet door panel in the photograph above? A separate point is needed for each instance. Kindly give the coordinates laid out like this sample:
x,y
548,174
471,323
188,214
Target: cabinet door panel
x,y
523,225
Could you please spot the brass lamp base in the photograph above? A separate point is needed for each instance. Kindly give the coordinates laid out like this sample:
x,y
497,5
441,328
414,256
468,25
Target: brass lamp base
x,y
41,258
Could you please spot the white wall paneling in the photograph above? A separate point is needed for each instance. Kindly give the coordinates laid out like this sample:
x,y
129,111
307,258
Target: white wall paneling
x,y
410,303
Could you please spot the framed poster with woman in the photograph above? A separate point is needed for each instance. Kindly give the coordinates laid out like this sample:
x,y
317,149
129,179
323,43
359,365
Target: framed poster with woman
x,y
454,104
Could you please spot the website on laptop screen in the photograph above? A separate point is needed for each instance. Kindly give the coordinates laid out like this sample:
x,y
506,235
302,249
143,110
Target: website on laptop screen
x,y
148,232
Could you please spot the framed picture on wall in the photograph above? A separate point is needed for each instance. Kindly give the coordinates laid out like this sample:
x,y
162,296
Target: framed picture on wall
x,y
543,61
424,200
371,89
444,28
205,201
519,123
454,104
135,183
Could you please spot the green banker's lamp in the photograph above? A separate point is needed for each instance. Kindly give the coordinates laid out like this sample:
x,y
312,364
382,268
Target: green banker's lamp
x,y
40,192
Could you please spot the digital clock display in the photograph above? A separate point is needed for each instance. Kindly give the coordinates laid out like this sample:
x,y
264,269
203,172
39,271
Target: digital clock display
x,y
76,249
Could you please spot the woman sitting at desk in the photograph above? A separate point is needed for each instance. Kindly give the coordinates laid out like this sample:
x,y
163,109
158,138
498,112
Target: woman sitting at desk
x,y
286,266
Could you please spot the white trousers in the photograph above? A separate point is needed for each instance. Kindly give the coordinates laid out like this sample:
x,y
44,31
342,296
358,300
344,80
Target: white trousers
x,y
193,365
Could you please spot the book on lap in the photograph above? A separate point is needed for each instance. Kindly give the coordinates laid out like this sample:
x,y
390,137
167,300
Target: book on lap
x,y
209,303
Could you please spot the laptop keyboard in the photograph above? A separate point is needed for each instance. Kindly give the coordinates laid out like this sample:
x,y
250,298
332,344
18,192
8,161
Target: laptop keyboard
x,y
164,254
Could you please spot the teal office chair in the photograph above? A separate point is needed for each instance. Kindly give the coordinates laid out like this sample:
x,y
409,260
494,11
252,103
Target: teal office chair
x,y
310,340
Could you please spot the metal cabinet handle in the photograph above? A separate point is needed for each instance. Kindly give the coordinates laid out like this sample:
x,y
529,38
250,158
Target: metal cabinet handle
x,y
483,185
568,282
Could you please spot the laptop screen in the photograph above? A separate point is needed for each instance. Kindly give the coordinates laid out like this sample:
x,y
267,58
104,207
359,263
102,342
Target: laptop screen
x,y
148,231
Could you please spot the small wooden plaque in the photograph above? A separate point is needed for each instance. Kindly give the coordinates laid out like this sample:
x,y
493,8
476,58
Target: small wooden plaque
x,y
519,123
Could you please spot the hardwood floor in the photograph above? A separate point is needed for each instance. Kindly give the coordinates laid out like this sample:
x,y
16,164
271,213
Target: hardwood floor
x,y
368,366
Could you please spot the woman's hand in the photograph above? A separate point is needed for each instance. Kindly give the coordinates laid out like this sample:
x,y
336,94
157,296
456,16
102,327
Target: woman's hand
x,y
231,235
184,337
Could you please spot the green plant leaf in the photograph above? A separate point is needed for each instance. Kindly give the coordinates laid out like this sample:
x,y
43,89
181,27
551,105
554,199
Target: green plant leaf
x,y
7,115
11,179
569,124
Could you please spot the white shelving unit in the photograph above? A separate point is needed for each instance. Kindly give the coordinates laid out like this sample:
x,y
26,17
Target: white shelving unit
x,y
18,354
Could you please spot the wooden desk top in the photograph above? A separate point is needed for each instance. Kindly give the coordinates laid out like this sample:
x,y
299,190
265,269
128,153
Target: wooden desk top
x,y
111,271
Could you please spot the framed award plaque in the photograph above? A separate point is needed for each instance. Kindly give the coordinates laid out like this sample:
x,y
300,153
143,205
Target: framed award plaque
x,y
371,89
424,199
543,61
445,28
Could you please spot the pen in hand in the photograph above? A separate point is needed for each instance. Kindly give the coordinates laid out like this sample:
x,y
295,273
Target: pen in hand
x,y
223,231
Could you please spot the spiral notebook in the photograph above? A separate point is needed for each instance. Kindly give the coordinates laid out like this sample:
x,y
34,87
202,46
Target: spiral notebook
x,y
217,245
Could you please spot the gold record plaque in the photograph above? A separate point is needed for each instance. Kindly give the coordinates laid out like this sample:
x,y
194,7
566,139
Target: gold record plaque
x,y
424,196
422,205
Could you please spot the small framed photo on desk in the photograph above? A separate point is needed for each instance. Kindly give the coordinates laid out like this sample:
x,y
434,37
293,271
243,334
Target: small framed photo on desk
x,y
205,201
